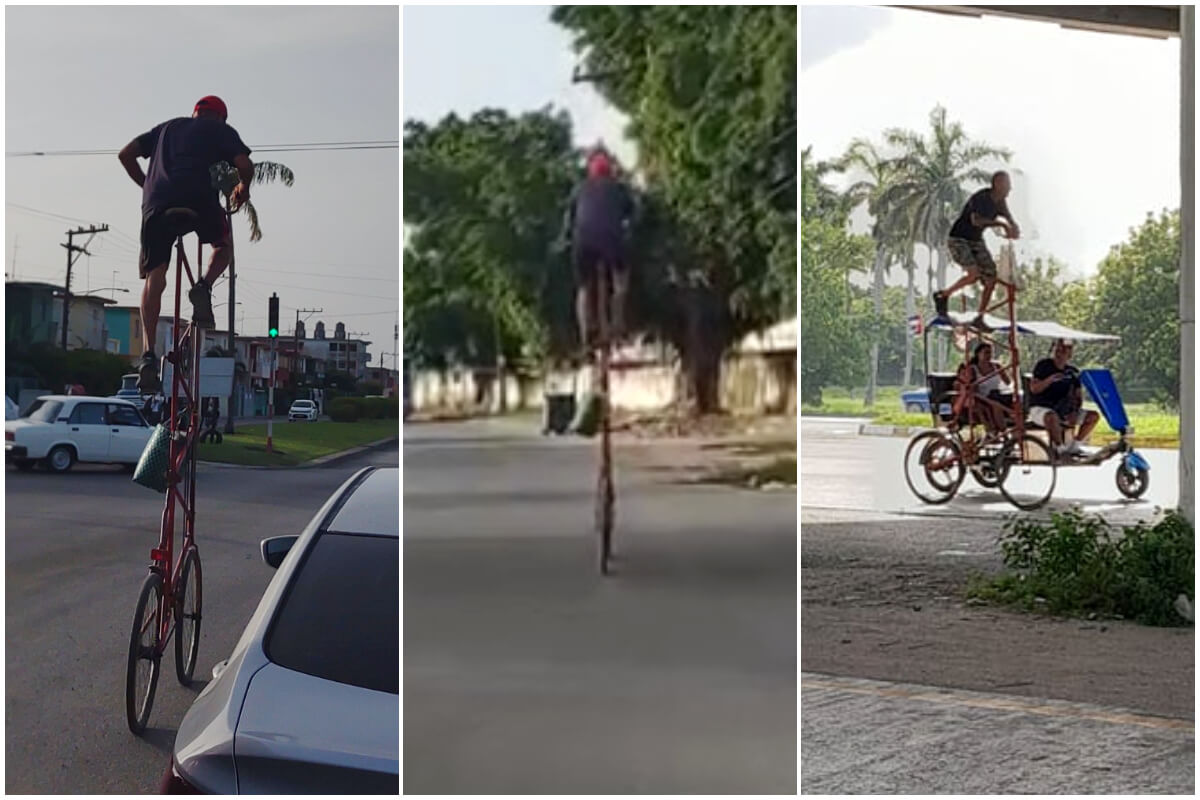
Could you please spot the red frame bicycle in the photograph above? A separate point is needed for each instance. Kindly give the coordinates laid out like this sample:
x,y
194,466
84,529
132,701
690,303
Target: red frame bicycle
x,y
165,606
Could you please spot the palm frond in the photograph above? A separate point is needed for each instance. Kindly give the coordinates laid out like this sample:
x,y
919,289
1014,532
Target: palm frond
x,y
252,218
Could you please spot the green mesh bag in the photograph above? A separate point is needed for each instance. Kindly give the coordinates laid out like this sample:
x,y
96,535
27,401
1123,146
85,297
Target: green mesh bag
x,y
151,470
587,421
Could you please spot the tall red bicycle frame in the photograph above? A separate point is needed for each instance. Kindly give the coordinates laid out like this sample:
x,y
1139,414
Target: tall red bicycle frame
x,y
181,490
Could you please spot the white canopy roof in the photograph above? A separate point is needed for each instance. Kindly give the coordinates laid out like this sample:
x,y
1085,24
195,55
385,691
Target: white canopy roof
x,y
1046,330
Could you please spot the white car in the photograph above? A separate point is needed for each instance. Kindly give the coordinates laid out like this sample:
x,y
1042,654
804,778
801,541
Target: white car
x,y
303,409
59,430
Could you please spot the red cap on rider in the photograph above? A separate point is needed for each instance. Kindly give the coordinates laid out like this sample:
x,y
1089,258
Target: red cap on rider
x,y
599,165
214,104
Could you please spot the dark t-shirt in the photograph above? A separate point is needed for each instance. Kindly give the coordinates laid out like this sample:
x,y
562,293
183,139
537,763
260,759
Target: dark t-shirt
x,y
981,203
1057,394
181,151
599,210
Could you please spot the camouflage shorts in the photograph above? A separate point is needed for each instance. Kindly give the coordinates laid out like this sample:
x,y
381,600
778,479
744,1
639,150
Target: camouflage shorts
x,y
972,256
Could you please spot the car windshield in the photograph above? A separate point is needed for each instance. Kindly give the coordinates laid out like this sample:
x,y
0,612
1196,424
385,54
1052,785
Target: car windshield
x,y
44,411
302,404
340,619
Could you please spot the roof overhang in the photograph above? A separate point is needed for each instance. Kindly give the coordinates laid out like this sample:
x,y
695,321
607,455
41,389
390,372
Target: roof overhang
x,y
1158,22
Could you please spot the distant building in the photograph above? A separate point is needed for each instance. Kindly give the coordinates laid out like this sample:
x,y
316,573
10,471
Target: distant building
x,y
32,315
88,323
386,377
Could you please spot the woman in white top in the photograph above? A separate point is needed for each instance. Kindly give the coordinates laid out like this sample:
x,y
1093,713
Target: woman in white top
x,y
990,382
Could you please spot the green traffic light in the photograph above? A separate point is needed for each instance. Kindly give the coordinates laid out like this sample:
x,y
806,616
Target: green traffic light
x,y
274,331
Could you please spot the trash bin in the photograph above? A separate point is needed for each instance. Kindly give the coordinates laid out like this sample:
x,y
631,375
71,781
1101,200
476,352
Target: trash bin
x,y
558,408
559,411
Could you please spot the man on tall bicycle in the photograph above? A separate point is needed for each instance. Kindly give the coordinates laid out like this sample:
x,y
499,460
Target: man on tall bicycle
x,y
181,151
598,223
987,208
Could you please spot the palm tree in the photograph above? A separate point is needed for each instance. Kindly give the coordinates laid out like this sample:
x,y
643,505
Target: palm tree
x,y
930,184
890,238
225,178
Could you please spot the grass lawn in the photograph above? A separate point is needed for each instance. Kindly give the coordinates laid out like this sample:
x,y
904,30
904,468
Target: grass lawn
x,y
1152,427
295,442
838,402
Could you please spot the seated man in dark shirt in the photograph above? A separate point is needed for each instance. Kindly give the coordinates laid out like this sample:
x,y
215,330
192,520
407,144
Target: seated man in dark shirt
x,y
983,210
598,222
1056,399
181,151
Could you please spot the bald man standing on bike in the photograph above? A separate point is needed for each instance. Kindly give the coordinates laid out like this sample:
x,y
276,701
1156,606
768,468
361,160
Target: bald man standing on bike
x,y
181,151
598,223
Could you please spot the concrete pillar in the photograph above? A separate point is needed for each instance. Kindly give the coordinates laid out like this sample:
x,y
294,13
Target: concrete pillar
x,y
1187,266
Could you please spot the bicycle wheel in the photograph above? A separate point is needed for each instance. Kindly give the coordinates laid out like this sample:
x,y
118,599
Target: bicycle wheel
x,y
1030,473
990,470
933,467
604,502
189,597
145,657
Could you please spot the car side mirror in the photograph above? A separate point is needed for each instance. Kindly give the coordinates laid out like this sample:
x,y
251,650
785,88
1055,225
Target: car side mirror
x,y
276,548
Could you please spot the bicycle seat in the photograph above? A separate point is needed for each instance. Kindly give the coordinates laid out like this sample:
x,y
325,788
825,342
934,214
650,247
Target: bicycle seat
x,y
180,221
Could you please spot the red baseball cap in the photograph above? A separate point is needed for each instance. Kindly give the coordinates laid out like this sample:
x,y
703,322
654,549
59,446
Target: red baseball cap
x,y
599,165
214,104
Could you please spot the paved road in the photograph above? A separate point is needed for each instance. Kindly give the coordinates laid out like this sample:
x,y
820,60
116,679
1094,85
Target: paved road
x,y
842,470
526,672
906,688
76,547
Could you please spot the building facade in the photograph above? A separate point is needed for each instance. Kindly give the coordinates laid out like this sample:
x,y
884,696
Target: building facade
x,y
32,315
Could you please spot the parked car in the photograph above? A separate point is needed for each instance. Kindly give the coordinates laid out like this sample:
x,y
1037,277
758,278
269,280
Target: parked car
x,y
303,409
916,401
58,430
309,700
11,411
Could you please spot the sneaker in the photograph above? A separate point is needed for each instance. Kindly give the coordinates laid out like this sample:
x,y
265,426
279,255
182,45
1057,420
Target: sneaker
x,y
202,311
941,303
148,382
981,325
1074,448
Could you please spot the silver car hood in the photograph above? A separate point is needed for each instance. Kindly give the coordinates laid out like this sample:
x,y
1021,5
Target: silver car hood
x,y
340,739
204,746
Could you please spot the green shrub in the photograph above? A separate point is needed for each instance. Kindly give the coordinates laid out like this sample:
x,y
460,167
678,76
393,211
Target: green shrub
x,y
345,409
1077,564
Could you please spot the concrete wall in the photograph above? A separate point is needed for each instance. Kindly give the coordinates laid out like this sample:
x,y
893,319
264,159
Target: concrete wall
x,y
759,382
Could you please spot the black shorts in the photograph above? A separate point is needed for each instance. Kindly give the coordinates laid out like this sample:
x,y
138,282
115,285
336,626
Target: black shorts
x,y
160,229
588,256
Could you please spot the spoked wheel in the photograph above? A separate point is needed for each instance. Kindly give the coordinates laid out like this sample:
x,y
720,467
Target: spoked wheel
x,y
1132,481
933,467
145,657
990,470
604,519
1030,473
605,493
189,596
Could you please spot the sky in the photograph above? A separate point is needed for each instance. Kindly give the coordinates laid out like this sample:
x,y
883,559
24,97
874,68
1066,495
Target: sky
x,y
1092,118
96,77
512,57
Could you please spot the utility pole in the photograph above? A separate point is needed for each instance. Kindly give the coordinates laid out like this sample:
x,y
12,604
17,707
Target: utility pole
x,y
233,391
357,353
72,249
296,330
14,264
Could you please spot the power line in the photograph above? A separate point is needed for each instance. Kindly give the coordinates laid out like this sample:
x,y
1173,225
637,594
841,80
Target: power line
x,y
369,144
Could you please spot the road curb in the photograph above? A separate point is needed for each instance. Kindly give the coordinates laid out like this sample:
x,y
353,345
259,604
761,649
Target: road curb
x,y
888,430
323,461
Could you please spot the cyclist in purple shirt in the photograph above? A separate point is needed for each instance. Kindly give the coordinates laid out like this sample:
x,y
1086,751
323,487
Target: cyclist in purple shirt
x,y
178,197
598,221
